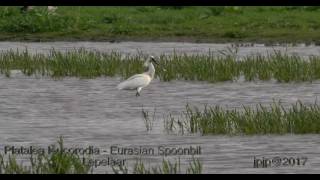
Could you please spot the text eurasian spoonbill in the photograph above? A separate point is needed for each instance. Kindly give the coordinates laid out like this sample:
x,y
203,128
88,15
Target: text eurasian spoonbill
x,y
139,81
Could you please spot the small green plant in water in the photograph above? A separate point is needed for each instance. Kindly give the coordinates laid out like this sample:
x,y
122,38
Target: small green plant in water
x,y
148,121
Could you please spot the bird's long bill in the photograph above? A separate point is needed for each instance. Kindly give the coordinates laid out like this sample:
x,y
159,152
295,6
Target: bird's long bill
x,y
153,60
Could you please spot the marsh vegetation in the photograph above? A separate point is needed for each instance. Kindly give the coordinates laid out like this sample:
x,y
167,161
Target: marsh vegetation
x,y
262,119
200,67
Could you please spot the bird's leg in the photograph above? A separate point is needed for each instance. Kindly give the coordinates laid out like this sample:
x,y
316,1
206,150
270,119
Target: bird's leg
x,y
138,91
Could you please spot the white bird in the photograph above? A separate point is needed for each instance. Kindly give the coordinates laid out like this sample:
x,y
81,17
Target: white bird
x,y
139,81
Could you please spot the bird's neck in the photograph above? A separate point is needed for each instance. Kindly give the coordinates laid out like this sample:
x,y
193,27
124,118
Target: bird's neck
x,y
151,70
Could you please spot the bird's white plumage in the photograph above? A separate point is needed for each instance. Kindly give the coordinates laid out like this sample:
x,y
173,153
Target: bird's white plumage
x,y
139,81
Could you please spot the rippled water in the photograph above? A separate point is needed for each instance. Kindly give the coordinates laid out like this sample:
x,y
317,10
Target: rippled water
x,y
35,111
159,48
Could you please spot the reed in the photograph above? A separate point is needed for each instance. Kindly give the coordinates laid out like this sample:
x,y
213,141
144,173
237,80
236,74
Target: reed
x,y
148,121
166,167
262,119
200,67
54,163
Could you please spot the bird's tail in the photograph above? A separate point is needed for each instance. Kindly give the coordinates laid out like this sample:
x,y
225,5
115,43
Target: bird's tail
x,y
120,86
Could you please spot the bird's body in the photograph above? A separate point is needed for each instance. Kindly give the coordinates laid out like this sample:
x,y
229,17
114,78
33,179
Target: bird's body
x,y
139,81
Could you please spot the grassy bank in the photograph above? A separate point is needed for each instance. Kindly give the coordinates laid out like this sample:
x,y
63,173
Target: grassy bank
x,y
259,120
166,23
207,67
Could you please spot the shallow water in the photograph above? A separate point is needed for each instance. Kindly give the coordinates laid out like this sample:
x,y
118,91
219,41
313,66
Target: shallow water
x,y
35,111
160,48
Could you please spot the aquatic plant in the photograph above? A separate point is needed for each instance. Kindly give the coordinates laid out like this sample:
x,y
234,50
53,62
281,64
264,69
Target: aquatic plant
x,y
166,167
57,162
200,67
148,121
271,119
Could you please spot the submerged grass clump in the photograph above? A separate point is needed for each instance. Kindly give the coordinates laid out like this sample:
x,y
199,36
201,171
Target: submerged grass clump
x,y
148,121
206,67
272,119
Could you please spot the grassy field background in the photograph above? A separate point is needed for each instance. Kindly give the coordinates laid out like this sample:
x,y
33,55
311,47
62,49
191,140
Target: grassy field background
x,y
165,23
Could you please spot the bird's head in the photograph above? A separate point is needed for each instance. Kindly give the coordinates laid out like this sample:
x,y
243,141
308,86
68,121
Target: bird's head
x,y
152,59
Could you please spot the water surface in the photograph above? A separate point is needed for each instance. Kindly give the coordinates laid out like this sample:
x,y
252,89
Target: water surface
x,y
35,111
160,48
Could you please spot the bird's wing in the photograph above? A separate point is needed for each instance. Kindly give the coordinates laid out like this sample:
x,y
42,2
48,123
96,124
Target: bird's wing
x,y
135,76
138,80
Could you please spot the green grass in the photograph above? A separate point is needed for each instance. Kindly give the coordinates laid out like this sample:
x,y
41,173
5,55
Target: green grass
x,y
166,167
58,162
61,162
148,121
207,67
259,120
167,23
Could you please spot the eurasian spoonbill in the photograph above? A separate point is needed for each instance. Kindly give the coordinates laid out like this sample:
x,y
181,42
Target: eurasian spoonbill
x,y
139,81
